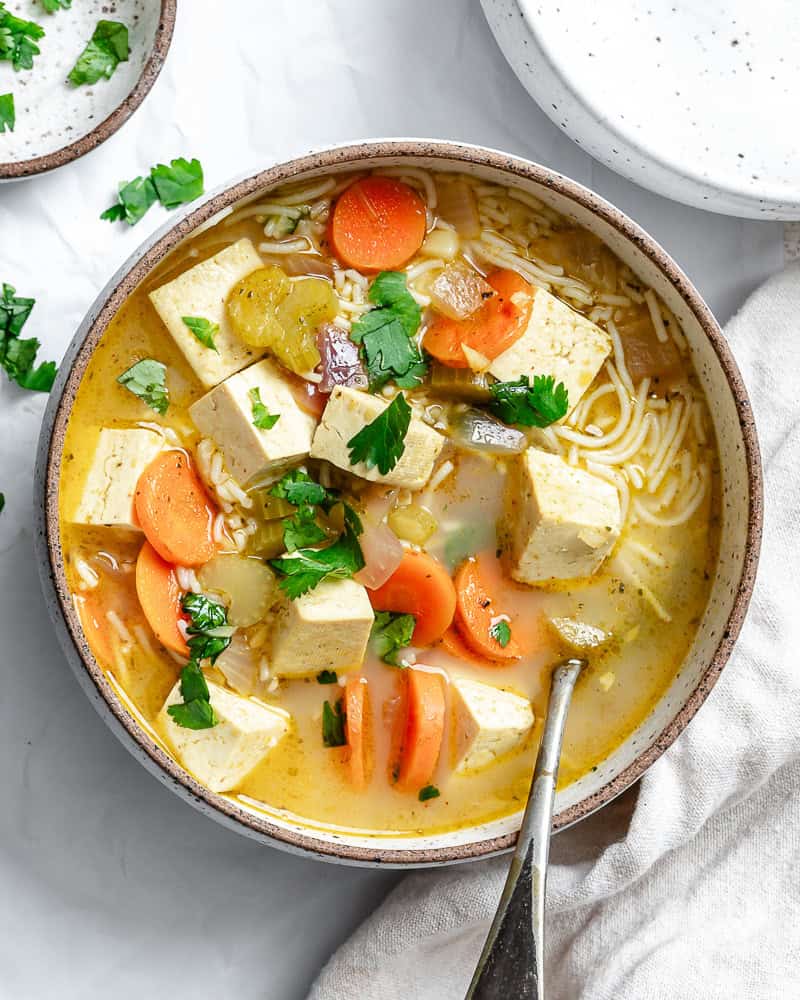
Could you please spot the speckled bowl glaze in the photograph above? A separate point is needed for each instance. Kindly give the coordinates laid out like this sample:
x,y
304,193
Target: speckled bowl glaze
x,y
693,100
56,122
741,484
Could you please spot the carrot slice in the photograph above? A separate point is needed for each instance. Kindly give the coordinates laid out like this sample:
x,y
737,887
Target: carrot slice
x,y
174,510
95,628
424,730
452,643
422,587
475,614
357,731
492,329
160,598
377,224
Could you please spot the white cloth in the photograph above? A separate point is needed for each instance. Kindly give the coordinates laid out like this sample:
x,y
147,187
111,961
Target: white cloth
x,y
689,885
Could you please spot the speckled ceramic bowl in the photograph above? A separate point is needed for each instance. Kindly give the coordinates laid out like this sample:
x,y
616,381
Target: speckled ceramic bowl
x,y
741,483
56,122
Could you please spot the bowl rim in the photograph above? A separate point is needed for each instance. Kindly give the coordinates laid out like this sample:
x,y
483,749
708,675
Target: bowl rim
x,y
20,169
50,451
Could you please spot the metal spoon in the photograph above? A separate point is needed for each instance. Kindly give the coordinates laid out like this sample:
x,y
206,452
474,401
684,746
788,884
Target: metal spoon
x,y
512,961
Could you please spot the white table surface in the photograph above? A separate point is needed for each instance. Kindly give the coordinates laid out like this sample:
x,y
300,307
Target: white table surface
x,y
109,885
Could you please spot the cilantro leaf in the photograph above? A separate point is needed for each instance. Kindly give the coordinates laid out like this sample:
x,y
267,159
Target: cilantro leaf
x,y
105,50
389,291
537,405
203,329
178,183
302,529
51,6
382,442
14,312
196,714
323,677
18,39
307,568
391,633
209,632
17,356
501,632
299,488
193,682
262,418
147,379
429,792
8,117
386,333
133,201
333,725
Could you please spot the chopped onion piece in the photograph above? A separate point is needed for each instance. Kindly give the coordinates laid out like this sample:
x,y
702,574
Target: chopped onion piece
x,y
341,363
459,291
382,553
239,666
456,204
440,243
298,264
478,431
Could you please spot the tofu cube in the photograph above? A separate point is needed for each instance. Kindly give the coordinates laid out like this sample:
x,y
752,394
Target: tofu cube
x,y
221,757
201,291
326,629
562,521
120,457
347,412
558,341
226,415
488,724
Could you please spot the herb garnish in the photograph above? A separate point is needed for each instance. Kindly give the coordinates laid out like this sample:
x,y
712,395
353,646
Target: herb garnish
x,y
134,199
537,405
203,329
429,792
104,51
8,117
501,632
299,488
333,724
17,356
386,334
51,6
382,442
391,633
18,39
307,568
262,418
173,185
302,529
147,379
327,677
195,712
2,502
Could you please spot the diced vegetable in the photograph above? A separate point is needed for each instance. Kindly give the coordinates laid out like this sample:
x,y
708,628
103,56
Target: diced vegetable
x,y
382,554
424,729
645,355
308,395
441,243
252,305
239,666
477,613
341,361
174,510
160,597
458,206
581,253
247,584
460,383
310,302
377,224
452,643
413,522
267,540
479,431
357,728
298,265
272,507
459,291
578,635
422,587
492,329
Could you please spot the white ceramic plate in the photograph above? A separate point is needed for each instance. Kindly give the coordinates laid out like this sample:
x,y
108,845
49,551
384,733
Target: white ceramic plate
x,y
695,100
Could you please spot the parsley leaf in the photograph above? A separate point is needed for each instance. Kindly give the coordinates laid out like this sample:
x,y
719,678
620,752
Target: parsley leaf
x,y
197,714
106,49
51,6
333,725
3,503
178,183
147,379
537,405
18,356
203,329
209,633
14,312
323,677
302,529
429,792
134,199
299,488
389,291
306,568
391,633
18,39
386,333
501,632
8,118
382,442
262,418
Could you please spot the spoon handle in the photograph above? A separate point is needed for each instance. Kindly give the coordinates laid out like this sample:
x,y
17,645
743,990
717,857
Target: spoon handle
x,y
512,961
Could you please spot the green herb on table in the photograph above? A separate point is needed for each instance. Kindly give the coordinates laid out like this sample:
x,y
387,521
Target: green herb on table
x,y
302,529
51,6
2,502
106,49
203,329
18,39
333,725
134,199
323,677
382,442
391,633
501,632
262,418
147,379
305,569
429,792
386,334
17,356
8,117
173,185
537,405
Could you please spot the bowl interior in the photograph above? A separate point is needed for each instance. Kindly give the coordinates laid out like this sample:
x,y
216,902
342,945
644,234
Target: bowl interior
x,y
740,483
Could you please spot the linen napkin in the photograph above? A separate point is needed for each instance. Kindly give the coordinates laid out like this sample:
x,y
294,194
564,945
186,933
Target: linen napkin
x,y
689,885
